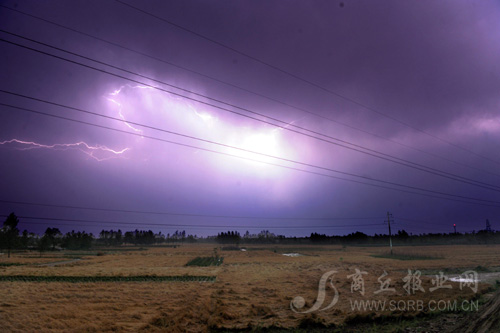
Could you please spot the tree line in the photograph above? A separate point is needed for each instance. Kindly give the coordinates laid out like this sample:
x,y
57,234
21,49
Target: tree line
x,y
53,239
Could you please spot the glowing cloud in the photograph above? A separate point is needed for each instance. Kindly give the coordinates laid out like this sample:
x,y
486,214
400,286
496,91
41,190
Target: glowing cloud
x,y
173,113
488,125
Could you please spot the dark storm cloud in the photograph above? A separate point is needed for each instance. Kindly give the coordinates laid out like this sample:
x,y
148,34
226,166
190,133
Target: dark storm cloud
x,y
430,64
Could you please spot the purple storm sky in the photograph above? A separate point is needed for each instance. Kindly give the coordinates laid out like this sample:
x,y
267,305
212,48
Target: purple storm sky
x,y
416,80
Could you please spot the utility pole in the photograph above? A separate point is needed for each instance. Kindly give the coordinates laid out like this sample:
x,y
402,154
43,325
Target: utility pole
x,y
455,227
389,216
488,226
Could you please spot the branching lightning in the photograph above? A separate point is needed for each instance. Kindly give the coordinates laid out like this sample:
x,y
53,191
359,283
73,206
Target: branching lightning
x,y
91,151
113,99
207,118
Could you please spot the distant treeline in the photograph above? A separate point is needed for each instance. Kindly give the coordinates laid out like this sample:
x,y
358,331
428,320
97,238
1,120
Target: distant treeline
x,y
53,239
141,237
403,238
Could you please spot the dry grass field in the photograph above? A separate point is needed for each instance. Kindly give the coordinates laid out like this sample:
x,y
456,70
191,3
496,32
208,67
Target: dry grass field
x,y
253,289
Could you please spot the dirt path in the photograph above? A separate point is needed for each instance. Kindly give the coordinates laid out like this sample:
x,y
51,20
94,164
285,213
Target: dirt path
x,y
484,321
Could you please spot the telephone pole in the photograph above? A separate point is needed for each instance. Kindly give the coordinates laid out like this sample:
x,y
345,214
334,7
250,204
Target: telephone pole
x,y
488,226
389,217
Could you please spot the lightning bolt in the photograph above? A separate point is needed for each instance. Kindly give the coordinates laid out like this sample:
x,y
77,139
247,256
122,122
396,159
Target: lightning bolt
x,y
113,99
84,147
287,125
207,118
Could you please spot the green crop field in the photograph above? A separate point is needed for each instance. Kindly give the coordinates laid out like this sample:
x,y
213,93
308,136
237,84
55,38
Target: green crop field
x,y
205,261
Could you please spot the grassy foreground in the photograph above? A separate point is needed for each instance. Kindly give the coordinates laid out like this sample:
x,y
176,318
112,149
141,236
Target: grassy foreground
x,y
249,290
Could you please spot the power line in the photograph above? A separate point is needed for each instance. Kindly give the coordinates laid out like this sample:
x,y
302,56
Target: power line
x,y
441,225
274,164
419,221
441,228
188,70
422,222
400,161
244,89
309,82
433,224
185,214
189,225
474,199
370,152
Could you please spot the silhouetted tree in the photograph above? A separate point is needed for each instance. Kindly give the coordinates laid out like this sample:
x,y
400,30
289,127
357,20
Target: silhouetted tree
x,y
229,237
25,239
52,234
10,233
319,238
77,240
43,244
111,237
402,234
129,237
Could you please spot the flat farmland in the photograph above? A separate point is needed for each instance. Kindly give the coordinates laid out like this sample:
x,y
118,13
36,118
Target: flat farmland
x,y
152,289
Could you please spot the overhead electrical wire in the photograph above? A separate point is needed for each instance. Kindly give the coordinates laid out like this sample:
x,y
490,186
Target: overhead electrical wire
x,y
184,214
369,152
476,200
423,229
103,222
245,89
304,80
84,223
424,222
249,217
